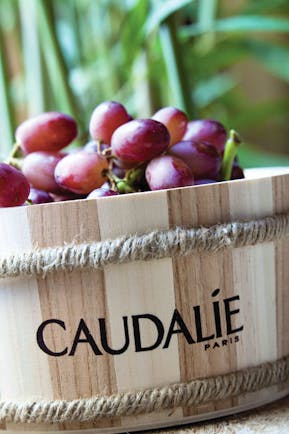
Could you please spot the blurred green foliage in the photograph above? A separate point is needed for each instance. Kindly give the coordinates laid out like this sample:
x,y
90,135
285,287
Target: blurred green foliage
x,y
69,55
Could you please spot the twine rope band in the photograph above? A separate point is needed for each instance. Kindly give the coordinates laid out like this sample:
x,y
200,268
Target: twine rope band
x,y
196,392
154,245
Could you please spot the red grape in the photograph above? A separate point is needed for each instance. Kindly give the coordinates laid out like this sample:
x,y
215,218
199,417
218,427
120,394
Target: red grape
x,y
14,187
203,159
175,120
168,171
101,192
209,131
118,171
94,146
139,140
68,195
38,167
81,172
123,165
39,196
106,186
105,119
49,131
204,181
237,172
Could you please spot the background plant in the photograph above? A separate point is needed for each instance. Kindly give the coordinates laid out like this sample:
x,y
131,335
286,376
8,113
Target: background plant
x,y
69,55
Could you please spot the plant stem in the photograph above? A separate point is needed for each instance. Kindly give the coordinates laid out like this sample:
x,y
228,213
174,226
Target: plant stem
x,y
35,94
178,79
6,112
206,14
206,17
54,60
15,162
231,149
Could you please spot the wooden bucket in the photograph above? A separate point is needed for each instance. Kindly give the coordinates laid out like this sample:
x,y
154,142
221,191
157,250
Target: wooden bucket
x,y
84,333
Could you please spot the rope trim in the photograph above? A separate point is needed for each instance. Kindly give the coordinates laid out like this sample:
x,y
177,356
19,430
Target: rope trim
x,y
153,245
150,400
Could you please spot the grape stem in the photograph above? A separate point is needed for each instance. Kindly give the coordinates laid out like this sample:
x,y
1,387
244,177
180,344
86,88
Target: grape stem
x,y
15,151
14,162
118,184
14,159
127,184
231,149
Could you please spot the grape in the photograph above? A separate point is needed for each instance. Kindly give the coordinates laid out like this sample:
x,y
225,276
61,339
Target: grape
x,y
209,131
168,171
49,131
203,159
175,120
38,167
14,187
82,172
39,196
139,140
237,172
94,146
205,181
123,165
118,171
65,196
101,192
105,119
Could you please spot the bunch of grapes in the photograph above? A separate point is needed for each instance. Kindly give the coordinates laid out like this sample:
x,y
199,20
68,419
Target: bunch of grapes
x,y
125,155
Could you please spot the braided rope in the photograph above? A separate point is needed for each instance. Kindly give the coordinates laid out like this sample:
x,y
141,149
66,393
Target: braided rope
x,y
154,245
199,391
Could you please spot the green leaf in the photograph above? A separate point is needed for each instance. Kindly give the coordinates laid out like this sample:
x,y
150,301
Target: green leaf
x,y
209,90
256,114
252,156
227,54
274,57
6,109
242,23
256,7
163,10
134,23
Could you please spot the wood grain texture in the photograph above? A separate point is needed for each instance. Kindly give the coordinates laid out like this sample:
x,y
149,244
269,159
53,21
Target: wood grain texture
x,y
281,204
258,275
254,279
146,287
24,371
70,297
196,277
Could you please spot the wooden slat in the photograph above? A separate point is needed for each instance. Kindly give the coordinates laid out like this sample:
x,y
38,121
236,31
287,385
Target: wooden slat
x,y
196,277
70,297
24,370
254,279
281,205
140,288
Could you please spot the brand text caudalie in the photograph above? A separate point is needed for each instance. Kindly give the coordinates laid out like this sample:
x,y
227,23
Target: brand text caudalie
x,y
222,315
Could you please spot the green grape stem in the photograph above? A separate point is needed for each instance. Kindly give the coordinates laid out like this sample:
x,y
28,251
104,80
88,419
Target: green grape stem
x,y
14,162
134,175
231,149
123,187
15,151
